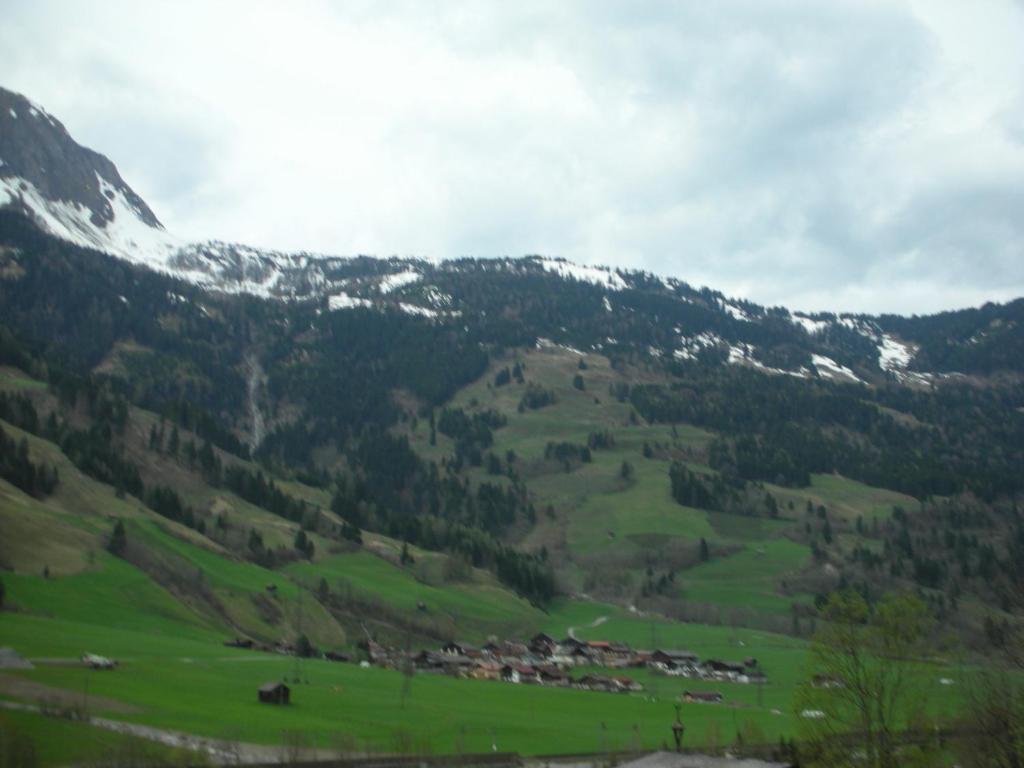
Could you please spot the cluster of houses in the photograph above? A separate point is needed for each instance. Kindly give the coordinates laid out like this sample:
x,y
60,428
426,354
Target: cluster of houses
x,y
545,661
542,660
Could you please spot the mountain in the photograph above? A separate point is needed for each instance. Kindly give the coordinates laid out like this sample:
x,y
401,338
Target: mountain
x,y
78,195
69,190
564,429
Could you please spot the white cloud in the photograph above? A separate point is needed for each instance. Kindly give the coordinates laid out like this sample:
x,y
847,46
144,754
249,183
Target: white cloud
x,y
848,155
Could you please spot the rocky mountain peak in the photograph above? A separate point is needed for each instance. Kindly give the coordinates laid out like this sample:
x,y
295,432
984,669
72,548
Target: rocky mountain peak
x,y
35,148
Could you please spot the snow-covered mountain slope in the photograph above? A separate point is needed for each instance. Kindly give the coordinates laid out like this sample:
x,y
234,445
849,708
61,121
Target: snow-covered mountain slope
x,y
71,191
77,195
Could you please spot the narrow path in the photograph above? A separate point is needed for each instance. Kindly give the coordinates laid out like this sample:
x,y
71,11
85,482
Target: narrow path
x,y
595,623
219,751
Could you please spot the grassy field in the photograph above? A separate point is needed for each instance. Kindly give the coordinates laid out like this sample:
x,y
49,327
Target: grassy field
x,y
116,596
176,674
472,609
747,578
15,380
199,687
642,514
606,529
57,742
167,618
845,498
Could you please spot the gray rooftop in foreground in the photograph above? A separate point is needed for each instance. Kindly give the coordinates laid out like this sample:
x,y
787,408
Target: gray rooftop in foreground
x,y
672,760
9,659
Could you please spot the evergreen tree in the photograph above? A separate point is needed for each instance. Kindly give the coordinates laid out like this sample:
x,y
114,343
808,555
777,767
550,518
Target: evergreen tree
x,y
351,532
405,558
303,543
304,648
118,540
705,554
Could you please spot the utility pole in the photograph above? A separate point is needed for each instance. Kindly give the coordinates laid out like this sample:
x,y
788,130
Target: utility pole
x,y
678,729
299,666
654,647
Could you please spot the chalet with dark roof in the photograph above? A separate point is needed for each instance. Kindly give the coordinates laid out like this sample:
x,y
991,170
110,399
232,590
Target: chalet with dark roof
x,y
674,662
457,649
275,693
723,670
519,673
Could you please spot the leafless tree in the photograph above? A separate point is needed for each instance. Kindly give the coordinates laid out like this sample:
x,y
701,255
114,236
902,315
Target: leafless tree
x,y
863,689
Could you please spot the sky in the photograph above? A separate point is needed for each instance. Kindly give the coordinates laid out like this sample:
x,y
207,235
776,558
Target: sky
x,y
842,155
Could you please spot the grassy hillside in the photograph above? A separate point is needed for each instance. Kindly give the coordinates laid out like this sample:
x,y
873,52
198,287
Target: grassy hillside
x,y
188,681
167,604
607,527
208,575
470,608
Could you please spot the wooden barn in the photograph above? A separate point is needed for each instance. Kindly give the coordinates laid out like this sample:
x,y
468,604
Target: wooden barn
x,y
275,693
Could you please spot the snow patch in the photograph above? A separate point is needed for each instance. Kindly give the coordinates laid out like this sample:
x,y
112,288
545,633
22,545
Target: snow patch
x,y
597,275
12,113
436,298
126,236
734,311
809,324
830,369
344,301
607,304
743,354
393,282
543,343
37,111
412,309
893,354
691,345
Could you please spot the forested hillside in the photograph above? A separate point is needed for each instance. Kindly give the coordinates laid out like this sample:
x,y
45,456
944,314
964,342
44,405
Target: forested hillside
x,y
541,427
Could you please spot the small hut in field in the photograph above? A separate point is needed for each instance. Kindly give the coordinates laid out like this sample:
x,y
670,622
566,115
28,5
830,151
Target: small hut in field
x,y
275,693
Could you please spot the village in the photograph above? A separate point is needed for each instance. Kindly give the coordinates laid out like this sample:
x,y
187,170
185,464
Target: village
x,y
543,660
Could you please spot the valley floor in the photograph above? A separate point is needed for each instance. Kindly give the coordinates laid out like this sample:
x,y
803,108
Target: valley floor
x,y
193,685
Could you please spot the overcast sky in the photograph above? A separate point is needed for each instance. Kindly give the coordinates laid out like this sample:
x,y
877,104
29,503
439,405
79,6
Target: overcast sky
x,y
859,155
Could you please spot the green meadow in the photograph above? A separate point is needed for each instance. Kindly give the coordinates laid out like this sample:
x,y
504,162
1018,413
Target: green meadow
x,y
58,741
478,607
195,685
747,578
188,681
165,611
